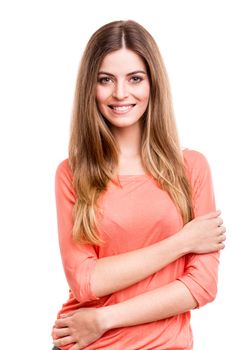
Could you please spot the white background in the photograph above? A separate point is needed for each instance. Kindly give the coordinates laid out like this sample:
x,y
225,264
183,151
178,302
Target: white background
x,y
41,45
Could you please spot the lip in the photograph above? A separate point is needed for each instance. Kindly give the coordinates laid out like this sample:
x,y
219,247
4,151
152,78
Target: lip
x,y
121,108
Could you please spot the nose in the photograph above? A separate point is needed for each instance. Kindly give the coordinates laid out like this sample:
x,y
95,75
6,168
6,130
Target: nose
x,y
120,91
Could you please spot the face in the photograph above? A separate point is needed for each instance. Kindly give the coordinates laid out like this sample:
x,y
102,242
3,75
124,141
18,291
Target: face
x,y
123,88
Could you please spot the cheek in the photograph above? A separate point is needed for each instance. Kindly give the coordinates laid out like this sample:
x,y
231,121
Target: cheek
x,y
144,94
102,94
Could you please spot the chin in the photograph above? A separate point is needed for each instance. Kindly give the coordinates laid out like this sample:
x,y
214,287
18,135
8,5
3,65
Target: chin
x,y
123,123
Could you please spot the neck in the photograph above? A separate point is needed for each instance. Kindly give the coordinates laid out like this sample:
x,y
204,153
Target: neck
x,y
129,140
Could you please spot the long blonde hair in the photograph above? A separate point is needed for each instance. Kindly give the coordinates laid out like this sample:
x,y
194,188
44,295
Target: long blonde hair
x,y
93,151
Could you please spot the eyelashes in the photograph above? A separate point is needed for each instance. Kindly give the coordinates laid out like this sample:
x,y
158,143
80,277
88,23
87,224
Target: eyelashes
x,y
104,80
135,79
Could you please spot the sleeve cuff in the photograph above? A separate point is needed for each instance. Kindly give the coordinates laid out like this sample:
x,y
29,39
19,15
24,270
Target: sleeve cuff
x,y
201,295
84,291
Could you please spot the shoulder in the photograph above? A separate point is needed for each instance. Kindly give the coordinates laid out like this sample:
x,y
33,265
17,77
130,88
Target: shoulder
x,y
63,167
64,180
195,162
193,158
63,171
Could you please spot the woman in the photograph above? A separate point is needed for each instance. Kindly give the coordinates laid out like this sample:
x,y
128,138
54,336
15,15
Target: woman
x,y
138,230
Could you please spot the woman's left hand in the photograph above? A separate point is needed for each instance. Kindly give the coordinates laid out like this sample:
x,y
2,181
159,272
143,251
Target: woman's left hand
x,y
80,328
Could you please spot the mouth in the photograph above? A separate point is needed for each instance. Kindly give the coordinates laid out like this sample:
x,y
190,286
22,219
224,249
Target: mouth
x,y
121,108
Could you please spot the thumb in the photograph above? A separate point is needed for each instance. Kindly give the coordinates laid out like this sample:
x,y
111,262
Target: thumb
x,y
211,215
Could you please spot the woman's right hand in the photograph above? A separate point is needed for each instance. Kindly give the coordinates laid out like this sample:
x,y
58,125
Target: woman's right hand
x,y
204,234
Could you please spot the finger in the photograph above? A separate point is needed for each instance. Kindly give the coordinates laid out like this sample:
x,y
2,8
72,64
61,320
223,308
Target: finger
x,y
219,221
62,322
63,341
210,215
68,314
221,238
61,332
221,245
222,230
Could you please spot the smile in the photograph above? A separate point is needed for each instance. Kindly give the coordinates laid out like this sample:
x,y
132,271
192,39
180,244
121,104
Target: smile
x,y
121,108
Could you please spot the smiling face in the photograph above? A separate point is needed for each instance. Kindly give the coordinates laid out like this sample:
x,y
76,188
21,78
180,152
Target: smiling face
x,y
123,88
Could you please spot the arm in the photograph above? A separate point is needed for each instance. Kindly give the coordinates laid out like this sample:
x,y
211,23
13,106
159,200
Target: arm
x,y
169,300
88,324
200,235
201,271
88,276
195,288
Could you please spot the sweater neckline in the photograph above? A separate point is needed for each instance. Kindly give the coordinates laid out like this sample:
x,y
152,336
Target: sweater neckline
x,y
137,177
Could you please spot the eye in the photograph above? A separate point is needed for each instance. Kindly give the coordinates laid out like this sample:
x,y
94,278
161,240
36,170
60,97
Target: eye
x,y
104,80
136,79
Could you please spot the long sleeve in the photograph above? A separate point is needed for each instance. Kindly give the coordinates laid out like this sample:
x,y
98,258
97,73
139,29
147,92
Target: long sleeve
x,y
78,259
201,271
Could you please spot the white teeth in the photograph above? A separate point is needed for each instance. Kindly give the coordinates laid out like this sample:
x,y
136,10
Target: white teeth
x,y
122,108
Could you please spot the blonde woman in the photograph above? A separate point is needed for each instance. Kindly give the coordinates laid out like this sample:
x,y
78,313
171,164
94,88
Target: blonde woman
x,y
138,230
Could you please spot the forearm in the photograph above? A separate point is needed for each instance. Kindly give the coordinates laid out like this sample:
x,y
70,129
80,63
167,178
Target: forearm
x,y
172,299
121,271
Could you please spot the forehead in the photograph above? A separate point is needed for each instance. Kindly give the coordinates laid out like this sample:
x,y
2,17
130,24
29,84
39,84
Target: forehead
x,y
122,61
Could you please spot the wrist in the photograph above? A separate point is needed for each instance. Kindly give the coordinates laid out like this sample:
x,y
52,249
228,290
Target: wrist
x,y
106,318
182,242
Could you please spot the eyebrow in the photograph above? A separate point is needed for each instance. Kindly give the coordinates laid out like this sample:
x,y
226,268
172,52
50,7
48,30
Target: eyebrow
x,y
134,72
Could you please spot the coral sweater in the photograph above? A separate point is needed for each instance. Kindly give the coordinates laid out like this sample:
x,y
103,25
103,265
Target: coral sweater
x,y
137,214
